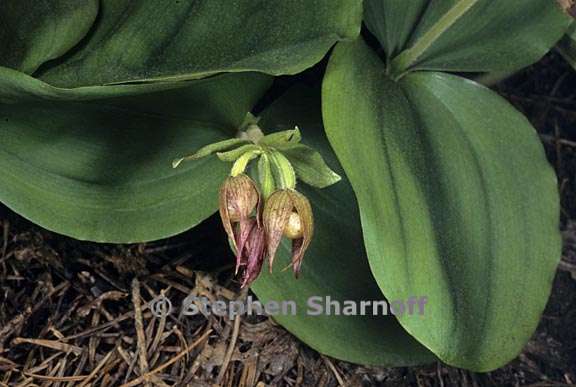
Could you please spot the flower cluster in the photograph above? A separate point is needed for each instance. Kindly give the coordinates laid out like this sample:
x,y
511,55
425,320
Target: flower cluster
x,y
257,217
256,231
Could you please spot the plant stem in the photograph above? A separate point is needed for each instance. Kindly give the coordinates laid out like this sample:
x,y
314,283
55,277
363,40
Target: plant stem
x,y
407,58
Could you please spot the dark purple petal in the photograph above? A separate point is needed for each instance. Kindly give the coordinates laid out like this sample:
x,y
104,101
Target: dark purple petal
x,y
256,248
245,228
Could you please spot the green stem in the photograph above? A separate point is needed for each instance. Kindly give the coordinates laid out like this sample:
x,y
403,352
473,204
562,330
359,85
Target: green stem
x,y
406,59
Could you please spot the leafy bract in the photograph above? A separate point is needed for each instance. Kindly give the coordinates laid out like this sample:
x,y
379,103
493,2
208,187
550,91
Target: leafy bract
x,y
335,265
310,167
102,170
457,202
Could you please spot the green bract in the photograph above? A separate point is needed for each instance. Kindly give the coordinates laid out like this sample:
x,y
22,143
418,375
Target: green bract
x,y
281,157
421,181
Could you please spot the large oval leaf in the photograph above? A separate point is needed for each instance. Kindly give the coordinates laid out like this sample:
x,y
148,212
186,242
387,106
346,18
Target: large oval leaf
x,y
335,266
466,35
457,202
102,170
146,40
34,32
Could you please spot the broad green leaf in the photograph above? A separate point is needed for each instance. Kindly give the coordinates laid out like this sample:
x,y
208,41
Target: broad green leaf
x,y
102,170
457,202
466,35
567,46
33,32
152,40
334,266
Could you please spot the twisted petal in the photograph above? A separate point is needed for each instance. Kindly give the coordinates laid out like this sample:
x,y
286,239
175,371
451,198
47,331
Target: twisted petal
x,y
300,245
243,233
296,263
255,252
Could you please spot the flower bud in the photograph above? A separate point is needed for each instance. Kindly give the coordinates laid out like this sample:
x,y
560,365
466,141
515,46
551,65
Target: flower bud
x,y
288,212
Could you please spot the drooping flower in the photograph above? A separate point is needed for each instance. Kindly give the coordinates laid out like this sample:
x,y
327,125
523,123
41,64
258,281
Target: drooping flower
x,y
239,197
288,213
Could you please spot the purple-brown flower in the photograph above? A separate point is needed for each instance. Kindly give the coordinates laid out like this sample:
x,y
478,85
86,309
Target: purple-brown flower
x,y
288,213
239,197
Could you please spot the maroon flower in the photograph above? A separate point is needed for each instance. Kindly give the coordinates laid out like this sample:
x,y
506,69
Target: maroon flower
x,y
238,199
